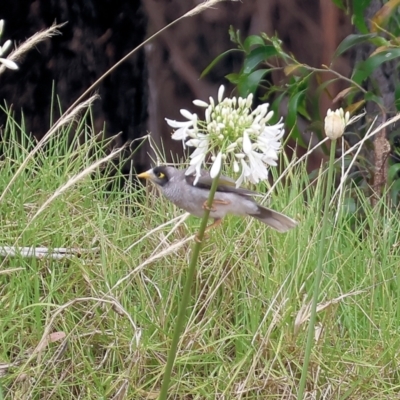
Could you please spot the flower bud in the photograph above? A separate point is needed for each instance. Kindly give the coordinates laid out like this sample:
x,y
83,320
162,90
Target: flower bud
x,y
200,103
221,93
335,123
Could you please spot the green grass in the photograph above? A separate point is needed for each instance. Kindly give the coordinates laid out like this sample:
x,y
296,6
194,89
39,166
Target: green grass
x,y
247,324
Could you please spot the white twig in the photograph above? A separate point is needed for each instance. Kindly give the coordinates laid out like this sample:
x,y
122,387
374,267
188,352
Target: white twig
x,y
179,218
172,248
41,252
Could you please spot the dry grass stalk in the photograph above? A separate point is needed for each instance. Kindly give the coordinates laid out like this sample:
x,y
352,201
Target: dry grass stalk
x,y
203,6
75,179
64,120
17,54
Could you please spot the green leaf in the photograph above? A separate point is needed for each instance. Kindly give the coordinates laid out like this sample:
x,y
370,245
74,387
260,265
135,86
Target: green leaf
x,y
397,96
393,172
233,78
373,97
234,35
248,83
256,56
215,61
381,42
395,190
339,4
359,6
291,120
323,87
352,40
365,68
252,40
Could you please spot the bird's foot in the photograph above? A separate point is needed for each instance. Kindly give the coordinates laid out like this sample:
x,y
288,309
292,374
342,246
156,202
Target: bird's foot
x,y
197,239
211,226
214,224
215,202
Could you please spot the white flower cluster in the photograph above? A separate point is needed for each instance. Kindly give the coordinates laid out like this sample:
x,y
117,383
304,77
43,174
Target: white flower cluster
x,y
232,133
3,49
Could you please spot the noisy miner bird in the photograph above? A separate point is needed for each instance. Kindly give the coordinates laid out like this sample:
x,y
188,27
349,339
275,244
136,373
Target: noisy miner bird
x,y
179,188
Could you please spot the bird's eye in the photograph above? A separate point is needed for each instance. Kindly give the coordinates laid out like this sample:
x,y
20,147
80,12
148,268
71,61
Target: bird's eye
x,y
160,175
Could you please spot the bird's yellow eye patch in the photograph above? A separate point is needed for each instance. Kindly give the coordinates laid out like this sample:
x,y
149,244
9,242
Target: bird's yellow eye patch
x,y
160,175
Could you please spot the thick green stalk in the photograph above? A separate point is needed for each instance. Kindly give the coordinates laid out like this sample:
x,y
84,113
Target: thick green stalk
x,y
180,320
318,275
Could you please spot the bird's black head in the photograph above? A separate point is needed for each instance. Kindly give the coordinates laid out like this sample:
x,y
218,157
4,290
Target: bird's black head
x,y
159,175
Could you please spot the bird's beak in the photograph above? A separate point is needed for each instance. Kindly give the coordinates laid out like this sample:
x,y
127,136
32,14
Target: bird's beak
x,y
146,175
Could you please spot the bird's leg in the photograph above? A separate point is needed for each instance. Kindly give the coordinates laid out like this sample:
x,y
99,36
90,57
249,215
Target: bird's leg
x,y
217,222
214,202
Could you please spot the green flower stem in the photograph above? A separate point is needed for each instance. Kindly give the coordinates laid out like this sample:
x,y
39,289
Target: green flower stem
x,y
318,276
180,320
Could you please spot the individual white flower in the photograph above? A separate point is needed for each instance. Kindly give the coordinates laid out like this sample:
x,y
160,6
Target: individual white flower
x,y
216,167
246,172
197,159
336,122
8,63
184,129
235,133
3,49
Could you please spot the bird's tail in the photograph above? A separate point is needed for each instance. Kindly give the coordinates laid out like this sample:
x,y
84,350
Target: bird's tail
x,y
274,219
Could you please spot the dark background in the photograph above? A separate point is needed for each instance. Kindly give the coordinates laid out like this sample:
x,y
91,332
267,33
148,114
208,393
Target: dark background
x,y
163,77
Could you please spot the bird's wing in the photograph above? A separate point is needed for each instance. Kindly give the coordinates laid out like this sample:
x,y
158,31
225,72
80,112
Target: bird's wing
x,y
225,184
